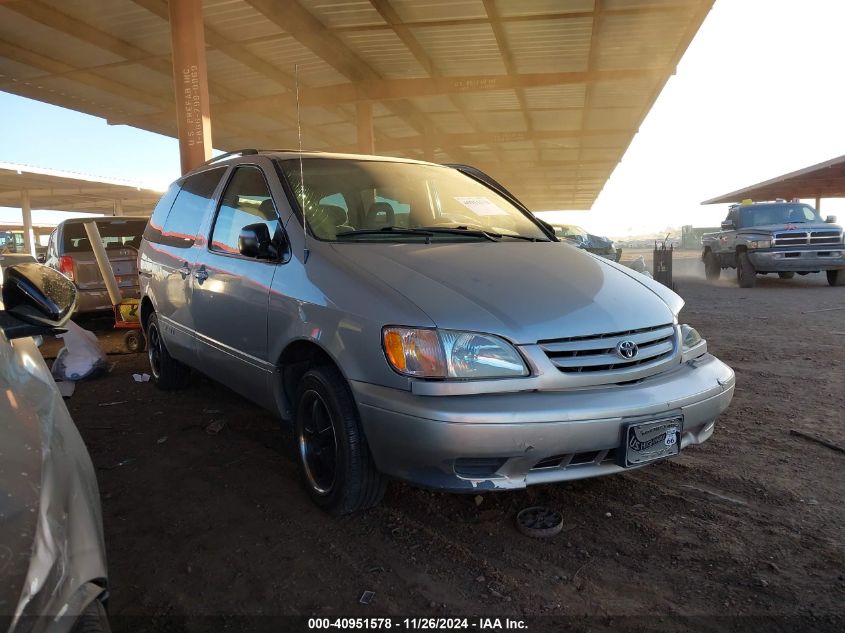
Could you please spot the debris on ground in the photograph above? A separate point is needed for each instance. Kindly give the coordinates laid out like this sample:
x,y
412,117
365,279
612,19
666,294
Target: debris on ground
x,y
215,427
161,440
66,387
478,500
141,377
539,522
122,462
81,357
111,404
367,597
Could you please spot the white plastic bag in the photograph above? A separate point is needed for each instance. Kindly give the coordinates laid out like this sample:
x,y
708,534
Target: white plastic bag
x,y
81,357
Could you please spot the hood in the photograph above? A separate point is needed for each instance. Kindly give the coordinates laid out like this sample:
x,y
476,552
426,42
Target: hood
x,y
524,291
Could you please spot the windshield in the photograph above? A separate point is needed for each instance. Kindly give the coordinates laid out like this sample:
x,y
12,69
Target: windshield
x,y
355,200
11,242
569,231
114,233
764,214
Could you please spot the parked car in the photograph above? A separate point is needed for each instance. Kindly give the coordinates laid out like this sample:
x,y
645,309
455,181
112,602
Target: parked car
x,y
417,325
52,557
596,244
69,252
783,238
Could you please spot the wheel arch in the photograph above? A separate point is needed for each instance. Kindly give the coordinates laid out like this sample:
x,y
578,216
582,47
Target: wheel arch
x,y
298,356
147,309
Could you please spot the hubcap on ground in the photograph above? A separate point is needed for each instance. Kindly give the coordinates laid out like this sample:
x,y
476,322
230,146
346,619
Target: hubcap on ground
x,y
155,351
317,443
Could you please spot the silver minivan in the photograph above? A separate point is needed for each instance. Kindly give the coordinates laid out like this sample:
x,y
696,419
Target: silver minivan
x,y
414,321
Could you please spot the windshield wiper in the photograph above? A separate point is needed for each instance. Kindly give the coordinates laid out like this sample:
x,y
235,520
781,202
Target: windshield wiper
x,y
388,229
490,235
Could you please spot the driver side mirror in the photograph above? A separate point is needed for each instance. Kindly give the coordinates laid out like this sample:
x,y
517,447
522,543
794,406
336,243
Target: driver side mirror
x,y
831,219
728,225
255,241
37,300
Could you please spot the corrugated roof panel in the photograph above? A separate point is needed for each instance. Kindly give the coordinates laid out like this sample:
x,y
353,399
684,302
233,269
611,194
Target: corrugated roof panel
x,y
563,96
385,52
234,75
393,126
123,19
612,118
498,121
34,36
645,40
491,100
87,94
432,10
509,8
622,93
469,49
11,70
237,20
336,14
560,45
450,122
434,103
285,52
556,119
140,78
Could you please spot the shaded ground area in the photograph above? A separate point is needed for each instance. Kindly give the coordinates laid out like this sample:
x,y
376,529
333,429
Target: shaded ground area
x,y
749,524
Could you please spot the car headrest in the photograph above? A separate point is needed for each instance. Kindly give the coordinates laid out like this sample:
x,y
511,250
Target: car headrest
x,y
268,210
335,214
380,214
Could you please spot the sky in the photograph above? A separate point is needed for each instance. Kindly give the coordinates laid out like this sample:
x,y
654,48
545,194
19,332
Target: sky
x,y
758,93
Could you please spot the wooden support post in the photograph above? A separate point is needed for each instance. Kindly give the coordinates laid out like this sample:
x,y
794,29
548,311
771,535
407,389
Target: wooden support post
x,y
190,82
118,208
818,204
26,217
366,140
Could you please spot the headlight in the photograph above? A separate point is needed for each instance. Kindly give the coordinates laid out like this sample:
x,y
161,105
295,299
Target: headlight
x,y
694,345
427,353
760,244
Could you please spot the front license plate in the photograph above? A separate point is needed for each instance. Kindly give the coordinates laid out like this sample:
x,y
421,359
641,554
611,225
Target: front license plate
x,y
649,441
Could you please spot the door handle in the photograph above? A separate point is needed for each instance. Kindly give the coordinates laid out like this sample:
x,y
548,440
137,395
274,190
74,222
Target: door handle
x,y
184,271
201,274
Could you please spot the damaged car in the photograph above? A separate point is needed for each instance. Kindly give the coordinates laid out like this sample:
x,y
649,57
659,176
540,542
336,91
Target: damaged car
x,y
52,554
411,321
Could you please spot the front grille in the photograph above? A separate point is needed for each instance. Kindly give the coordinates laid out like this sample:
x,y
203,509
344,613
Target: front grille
x,y
803,238
587,354
570,460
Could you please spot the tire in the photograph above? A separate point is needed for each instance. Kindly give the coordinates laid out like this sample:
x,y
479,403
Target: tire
x,y
786,275
836,277
333,455
712,266
92,620
168,373
134,341
745,273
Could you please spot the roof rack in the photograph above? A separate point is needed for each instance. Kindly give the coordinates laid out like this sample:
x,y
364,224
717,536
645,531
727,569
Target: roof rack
x,y
237,152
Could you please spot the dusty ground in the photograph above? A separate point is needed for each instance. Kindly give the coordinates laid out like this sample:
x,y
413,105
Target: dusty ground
x,y
748,525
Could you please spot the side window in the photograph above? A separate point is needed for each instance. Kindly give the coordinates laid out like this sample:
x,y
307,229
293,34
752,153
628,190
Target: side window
x,y
246,200
156,224
188,210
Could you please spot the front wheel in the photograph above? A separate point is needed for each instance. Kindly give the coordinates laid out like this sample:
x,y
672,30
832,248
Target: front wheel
x,y
745,273
168,373
712,266
836,277
334,458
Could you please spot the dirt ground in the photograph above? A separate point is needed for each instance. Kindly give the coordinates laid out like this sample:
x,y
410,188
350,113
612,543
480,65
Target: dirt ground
x,y
746,526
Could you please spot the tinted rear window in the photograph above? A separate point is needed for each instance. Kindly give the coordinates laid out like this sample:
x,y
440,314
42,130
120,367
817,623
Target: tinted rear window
x,y
114,233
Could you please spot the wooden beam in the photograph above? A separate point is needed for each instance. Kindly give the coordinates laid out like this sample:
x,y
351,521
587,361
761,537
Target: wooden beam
x,y
364,112
190,82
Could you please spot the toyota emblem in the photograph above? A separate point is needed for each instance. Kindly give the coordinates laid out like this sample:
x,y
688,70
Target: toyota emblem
x,y
627,349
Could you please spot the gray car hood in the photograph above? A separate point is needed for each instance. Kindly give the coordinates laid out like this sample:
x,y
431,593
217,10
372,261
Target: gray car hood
x,y
524,291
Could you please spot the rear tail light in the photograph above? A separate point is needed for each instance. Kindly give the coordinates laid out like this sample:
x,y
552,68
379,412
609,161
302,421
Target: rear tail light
x,y
66,266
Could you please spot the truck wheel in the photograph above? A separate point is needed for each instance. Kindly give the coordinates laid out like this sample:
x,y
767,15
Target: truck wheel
x,y
836,277
786,275
134,341
712,266
168,373
334,458
745,273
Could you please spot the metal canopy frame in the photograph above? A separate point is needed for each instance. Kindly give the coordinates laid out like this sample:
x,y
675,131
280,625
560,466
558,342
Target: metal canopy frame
x,y
542,93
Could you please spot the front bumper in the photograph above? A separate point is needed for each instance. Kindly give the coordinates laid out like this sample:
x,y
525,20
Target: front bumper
x,y
786,259
445,442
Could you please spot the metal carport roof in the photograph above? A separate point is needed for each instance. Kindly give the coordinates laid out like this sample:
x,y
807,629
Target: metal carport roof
x,y
545,95
824,180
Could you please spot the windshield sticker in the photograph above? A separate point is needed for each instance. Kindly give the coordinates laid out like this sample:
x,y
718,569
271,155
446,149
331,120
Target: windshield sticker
x,y
480,205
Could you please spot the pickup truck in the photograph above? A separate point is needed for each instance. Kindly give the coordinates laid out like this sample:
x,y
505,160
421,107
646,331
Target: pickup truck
x,y
775,237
